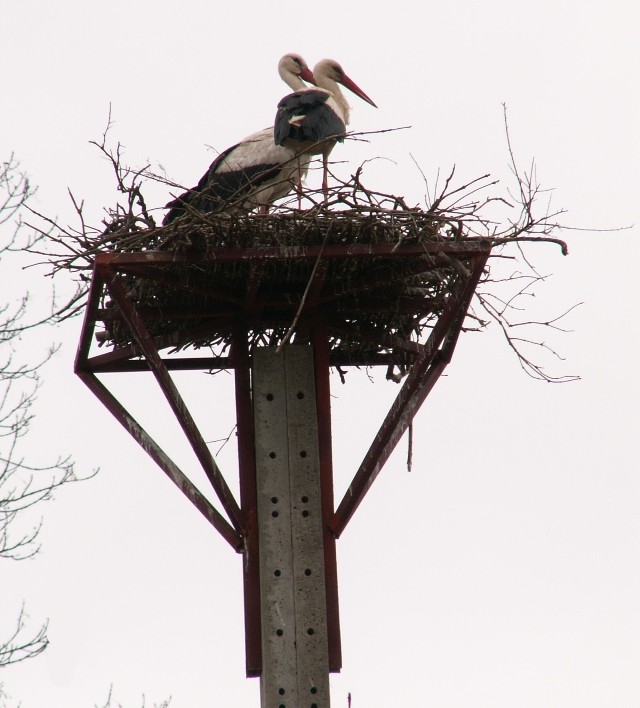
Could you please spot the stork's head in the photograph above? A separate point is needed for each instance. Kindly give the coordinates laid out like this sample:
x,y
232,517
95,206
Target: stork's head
x,y
328,71
294,64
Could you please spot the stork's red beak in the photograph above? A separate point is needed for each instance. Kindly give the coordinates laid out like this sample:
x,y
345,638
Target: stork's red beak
x,y
352,86
307,75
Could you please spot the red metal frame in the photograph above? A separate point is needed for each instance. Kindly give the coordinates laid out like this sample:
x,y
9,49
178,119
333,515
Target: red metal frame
x,y
180,410
323,410
238,315
424,372
249,500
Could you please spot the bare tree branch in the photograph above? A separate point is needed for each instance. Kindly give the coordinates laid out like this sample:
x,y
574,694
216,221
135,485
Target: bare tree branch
x,y
23,483
15,648
111,704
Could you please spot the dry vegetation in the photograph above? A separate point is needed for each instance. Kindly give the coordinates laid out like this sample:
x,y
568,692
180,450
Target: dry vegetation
x,y
374,304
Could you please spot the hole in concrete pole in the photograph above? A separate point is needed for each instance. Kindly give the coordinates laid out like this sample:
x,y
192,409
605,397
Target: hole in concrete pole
x,y
274,514
274,500
300,394
303,453
277,572
272,455
269,397
314,705
281,691
307,571
305,513
314,689
310,631
304,500
279,632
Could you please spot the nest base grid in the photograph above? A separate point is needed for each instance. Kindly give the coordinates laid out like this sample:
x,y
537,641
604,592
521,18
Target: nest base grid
x,y
379,285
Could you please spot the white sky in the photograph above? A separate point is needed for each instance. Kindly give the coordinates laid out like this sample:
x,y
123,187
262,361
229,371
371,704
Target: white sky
x,y
505,569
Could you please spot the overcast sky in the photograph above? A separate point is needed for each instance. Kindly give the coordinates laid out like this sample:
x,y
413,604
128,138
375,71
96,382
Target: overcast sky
x,y
504,570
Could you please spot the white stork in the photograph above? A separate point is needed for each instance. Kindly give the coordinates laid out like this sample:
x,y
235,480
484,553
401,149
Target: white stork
x,y
313,120
254,172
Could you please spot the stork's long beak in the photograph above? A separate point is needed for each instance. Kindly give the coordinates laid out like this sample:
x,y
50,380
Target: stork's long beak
x,y
307,75
352,86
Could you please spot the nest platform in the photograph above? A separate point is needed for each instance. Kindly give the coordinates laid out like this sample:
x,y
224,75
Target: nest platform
x,y
378,284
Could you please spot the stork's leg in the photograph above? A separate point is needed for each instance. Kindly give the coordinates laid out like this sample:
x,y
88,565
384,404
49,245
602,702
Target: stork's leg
x,y
325,175
299,183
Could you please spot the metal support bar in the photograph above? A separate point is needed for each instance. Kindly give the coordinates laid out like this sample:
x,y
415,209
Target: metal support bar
x,y
248,499
425,371
124,353
165,463
323,408
336,358
458,249
103,363
145,342
88,322
157,454
292,577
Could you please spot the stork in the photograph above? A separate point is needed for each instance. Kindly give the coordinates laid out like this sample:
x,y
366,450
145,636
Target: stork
x,y
313,120
254,172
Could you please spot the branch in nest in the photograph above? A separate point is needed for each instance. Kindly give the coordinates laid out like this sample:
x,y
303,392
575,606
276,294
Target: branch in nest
x,y
353,209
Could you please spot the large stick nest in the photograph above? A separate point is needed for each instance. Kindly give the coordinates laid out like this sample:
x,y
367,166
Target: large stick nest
x,y
373,306
370,303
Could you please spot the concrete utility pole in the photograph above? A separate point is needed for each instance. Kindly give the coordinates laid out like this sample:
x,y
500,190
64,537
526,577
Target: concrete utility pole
x,y
295,668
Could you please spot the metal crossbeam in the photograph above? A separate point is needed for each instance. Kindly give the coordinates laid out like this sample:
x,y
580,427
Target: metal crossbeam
x,y
422,376
458,249
163,461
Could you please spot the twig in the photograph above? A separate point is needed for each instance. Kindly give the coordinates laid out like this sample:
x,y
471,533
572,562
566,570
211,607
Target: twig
x,y
291,329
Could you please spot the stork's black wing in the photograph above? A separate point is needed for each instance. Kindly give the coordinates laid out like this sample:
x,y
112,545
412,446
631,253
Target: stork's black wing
x,y
221,185
305,116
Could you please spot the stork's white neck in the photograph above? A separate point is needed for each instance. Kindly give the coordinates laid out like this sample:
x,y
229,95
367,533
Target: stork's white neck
x,y
332,86
293,81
